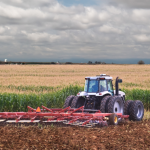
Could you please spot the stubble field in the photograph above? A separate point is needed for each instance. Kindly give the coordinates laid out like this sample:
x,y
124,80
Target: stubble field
x,y
58,76
32,78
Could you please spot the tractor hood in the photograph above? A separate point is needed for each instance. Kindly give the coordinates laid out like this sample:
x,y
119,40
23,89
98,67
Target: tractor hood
x,y
82,94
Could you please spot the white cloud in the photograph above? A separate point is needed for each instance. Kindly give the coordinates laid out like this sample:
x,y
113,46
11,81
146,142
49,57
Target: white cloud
x,y
37,27
142,38
2,30
42,37
109,29
14,12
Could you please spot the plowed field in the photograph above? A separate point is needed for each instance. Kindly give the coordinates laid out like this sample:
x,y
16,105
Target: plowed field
x,y
129,135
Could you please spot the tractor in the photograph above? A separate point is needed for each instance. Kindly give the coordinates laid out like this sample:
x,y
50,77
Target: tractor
x,y
99,94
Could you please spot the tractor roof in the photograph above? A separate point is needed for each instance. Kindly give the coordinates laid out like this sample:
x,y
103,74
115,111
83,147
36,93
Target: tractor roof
x,y
101,76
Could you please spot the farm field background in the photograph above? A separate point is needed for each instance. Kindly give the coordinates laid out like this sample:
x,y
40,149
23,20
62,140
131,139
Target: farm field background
x,y
49,85
46,78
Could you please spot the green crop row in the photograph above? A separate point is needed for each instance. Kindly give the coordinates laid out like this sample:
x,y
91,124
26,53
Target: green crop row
x,y
139,94
19,102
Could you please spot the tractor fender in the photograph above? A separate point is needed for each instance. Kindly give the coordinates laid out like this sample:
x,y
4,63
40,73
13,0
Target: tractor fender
x,y
122,94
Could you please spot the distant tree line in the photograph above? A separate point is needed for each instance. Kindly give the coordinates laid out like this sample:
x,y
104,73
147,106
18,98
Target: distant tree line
x,y
96,62
26,63
46,63
141,62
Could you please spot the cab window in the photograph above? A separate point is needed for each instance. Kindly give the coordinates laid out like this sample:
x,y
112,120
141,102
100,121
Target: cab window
x,y
102,85
110,87
93,86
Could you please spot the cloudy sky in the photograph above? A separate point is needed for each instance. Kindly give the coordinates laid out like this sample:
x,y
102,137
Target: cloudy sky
x,y
74,30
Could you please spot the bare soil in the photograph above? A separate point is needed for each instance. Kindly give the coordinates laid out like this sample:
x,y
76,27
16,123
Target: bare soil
x,y
129,135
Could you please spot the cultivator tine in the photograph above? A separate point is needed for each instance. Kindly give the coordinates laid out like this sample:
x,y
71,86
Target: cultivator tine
x,y
33,119
88,125
74,120
18,119
77,123
86,122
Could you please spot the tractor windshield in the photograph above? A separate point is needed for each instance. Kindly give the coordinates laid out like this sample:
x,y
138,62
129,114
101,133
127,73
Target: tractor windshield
x,y
91,86
94,86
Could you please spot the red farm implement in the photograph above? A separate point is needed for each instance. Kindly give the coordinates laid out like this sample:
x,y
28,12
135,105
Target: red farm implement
x,y
70,116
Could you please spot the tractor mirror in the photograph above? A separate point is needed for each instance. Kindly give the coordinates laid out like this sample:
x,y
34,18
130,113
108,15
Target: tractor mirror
x,y
119,80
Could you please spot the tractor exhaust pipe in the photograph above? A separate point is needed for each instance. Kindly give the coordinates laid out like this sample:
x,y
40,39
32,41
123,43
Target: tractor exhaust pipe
x,y
117,85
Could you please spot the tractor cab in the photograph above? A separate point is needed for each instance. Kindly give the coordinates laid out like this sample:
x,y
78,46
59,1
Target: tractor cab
x,y
98,84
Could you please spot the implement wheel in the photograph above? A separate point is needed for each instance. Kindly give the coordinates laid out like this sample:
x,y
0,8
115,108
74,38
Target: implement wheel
x,y
68,101
137,111
113,119
104,104
77,102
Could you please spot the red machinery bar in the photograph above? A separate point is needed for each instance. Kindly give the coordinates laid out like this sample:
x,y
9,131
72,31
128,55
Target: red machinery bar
x,y
57,115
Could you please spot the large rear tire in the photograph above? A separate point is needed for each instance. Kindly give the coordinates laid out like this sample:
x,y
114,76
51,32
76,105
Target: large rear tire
x,y
115,105
137,111
104,104
77,102
127,107
68,101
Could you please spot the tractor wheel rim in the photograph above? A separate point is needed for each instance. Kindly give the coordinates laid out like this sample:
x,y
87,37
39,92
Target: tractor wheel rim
x,y
115,119
118,107
139,112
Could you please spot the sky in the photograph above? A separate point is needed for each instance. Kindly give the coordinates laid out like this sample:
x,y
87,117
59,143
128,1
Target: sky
x,y
75,30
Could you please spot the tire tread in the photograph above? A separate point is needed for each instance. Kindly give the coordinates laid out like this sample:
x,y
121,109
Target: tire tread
x,y
103,104
133,113
111,103
68,101
75,101
127,107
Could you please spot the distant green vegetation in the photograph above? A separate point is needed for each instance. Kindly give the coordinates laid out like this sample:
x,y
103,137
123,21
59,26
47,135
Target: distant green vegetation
x,y
19,102
139,94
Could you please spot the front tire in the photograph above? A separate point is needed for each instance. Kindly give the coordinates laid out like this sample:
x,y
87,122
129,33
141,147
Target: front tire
x,y
77,102
68,101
